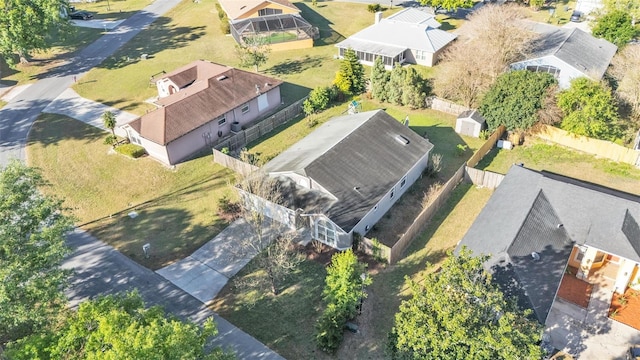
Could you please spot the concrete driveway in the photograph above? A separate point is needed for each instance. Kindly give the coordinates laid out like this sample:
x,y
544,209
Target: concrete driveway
x,y
207,270
100,269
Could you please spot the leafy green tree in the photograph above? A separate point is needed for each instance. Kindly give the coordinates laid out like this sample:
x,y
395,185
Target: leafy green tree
x,y
109,121
27,25
515,98
536,4
119,327
379,80
350,78
32,247
343,291
616,27
318,100
414,89
254,51
589,109
630,6
395,85
448,5
459,313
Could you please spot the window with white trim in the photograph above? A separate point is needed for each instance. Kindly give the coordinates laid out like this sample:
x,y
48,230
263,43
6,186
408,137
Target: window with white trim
x,y
403,182
421,55
325,231
245,108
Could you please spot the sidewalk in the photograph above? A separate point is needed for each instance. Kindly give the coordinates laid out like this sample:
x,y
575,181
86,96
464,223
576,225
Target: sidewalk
x,y
208,269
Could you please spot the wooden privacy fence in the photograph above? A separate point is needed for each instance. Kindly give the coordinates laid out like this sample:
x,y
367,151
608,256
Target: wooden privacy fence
x,y
425,215
232,163
236,142
602,148
482,178
447,106
486,147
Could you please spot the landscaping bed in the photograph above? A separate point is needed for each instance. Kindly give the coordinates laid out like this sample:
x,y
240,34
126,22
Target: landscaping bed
x,y
626,308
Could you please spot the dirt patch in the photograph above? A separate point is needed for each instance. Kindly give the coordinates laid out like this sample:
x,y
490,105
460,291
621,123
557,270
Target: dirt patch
x,y
322,254
626,308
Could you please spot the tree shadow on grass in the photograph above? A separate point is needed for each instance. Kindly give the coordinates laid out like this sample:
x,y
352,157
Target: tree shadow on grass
x,y
294,66
51,129
328,35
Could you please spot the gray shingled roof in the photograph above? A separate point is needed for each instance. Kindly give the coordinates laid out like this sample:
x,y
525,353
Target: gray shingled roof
x,y
353,151
578,49
523,215
473,115
407,29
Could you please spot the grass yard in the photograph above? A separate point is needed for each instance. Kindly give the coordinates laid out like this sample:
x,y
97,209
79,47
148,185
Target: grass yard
x,y
561,15
290,331
112,9
191,31
177,208
539,155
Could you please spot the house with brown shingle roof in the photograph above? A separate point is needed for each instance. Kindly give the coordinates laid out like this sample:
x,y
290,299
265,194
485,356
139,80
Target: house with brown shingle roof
x,y
199,104
277,22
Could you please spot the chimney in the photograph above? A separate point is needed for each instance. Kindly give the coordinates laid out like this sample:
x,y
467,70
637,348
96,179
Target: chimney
x,y
378,17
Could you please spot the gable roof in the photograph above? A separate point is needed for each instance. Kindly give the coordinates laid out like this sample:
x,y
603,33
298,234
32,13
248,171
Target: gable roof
x,y
356,158
473,115
544,212
215,90
237,8
578,49
408,29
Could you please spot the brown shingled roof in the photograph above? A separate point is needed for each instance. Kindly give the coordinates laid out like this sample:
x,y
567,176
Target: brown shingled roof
x,y
237,8
201,102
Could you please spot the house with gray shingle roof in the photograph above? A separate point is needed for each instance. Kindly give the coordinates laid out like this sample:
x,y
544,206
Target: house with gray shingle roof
x,y
347,174
197,105
541,230
410,36
568,54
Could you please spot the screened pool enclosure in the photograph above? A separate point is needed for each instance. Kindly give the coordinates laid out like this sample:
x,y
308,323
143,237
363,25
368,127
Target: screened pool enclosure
x,y
275,28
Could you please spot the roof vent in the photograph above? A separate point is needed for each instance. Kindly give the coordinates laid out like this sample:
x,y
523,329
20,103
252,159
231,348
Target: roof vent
x,y
221,77
257,89
356,188
560,226
402,140
535,256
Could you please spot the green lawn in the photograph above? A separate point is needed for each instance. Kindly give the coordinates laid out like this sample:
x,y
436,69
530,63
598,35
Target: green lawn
x,y
112,9
561,15
292,315
184,35
177,208
542,156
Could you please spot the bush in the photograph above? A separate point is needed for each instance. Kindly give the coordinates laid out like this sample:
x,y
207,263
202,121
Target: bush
x,y
110,140
330,329
461,149
225,27
131,150
484,134
317,101
373,8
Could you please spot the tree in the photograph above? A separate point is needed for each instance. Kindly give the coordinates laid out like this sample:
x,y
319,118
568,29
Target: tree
x,y
254,51
379,80
414,89
26,26
536,4
268,239
488,43
459,313
589,109
32,247
350,78
343,293
624,69
632,7
109,121
449,5
515,99
318,100
616,27
119,327
395,85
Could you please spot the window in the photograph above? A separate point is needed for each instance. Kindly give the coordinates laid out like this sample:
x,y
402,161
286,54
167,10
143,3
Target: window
x,y
393,193
222,120
599,257
403,182
580,253
375,208
545,68
245,108
421,55
325,232
267,11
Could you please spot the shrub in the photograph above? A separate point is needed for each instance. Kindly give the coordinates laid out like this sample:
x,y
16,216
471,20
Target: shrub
x,y
460,149
373,8
318,100
435,165
131,150
330,329
110,140
225,150
229,208
484,134
225,27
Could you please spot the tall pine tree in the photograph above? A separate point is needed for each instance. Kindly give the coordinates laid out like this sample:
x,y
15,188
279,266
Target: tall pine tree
x,y
350,78
379,80
395,85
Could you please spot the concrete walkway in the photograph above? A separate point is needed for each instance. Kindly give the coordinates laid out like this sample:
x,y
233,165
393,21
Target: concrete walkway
x,y
97,24
71,104
98,269
207,270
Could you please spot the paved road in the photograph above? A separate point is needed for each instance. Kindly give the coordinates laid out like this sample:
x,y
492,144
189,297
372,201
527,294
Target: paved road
x,y
100,269
19,114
